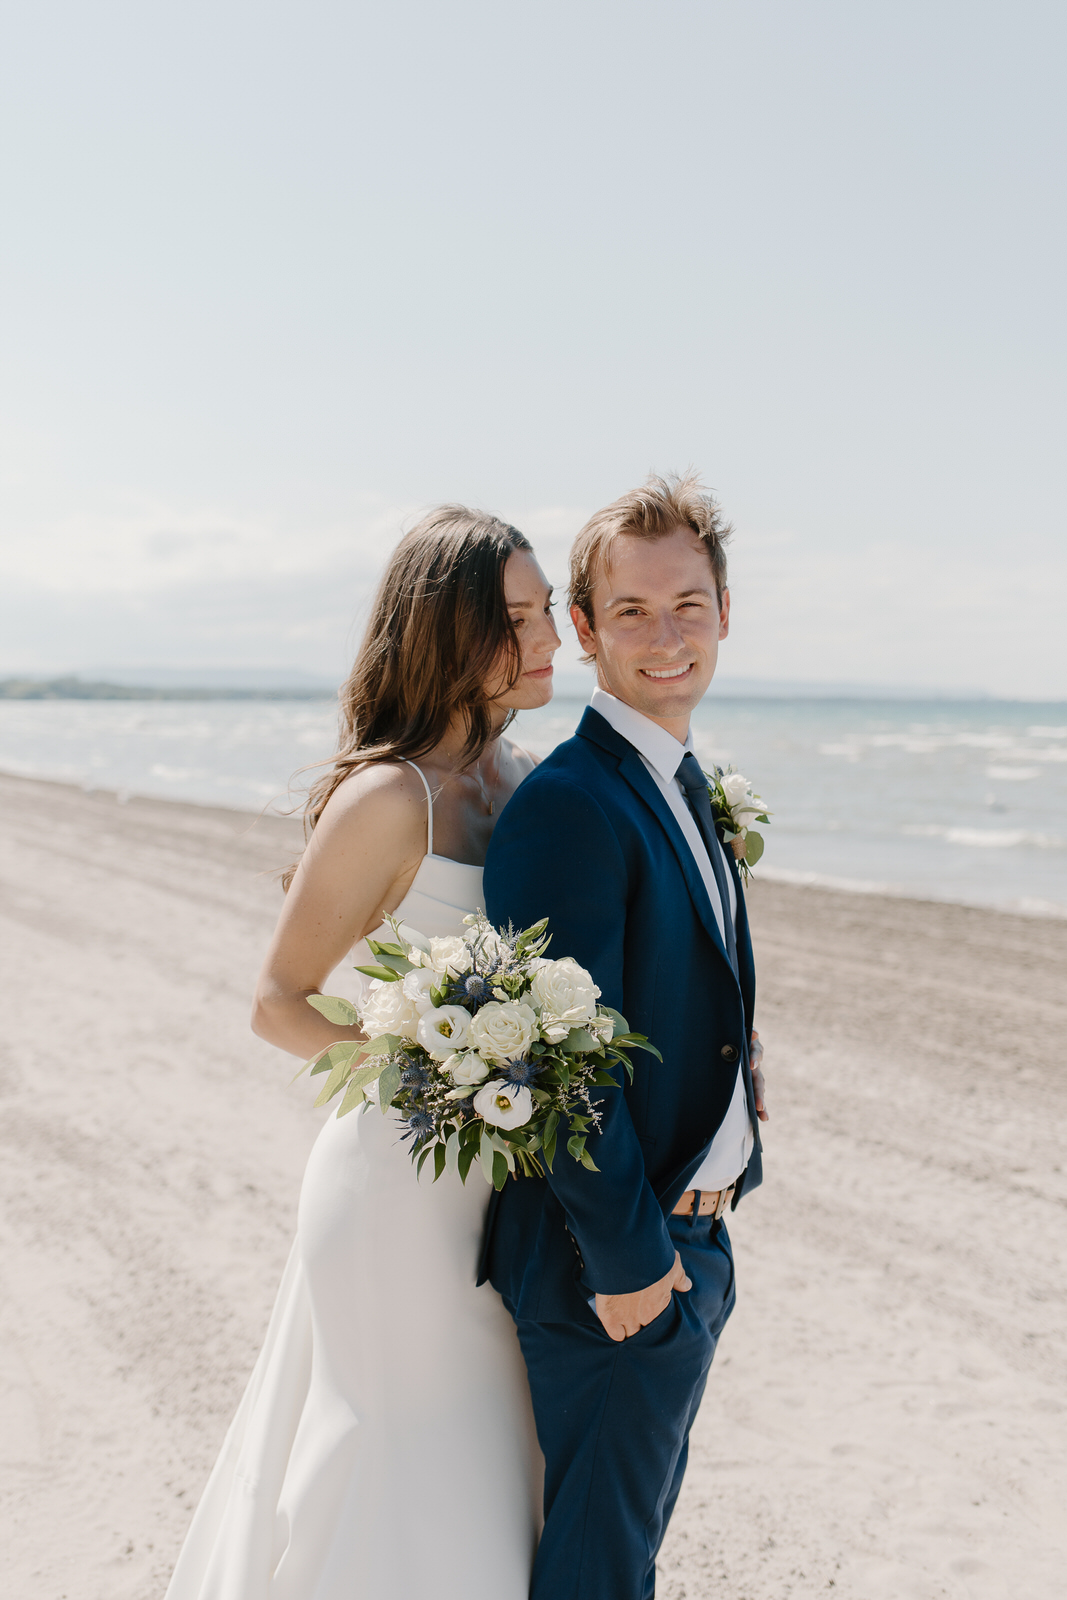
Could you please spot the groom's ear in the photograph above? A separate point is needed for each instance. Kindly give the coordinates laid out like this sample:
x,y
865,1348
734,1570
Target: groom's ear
x,y
724,614
584,629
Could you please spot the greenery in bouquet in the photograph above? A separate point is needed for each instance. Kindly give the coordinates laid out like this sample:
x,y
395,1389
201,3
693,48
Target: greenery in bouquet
x,y
735,808
488,1051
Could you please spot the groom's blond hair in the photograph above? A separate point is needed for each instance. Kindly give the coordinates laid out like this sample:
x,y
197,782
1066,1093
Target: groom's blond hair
x,y
651,512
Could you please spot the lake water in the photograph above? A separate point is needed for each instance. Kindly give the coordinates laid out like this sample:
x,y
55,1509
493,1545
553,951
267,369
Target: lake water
x,y
941,800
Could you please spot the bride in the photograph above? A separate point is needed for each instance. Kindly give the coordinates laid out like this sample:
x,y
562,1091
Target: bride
x,y
384,1448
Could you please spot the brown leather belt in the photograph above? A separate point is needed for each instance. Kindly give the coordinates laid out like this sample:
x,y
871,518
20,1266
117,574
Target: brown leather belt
x,y
709,1203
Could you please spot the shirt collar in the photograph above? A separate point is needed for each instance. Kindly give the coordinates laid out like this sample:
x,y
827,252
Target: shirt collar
x,y
660,749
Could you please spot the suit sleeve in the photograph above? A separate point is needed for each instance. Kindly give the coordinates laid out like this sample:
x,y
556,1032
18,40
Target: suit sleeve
x,y
554,854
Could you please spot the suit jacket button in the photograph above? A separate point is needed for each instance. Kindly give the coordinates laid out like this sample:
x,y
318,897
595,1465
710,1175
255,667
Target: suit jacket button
x,y
729,1052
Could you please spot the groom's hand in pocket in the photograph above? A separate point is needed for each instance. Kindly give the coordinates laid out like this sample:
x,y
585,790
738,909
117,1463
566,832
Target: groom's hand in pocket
x,y
758,1085
623,1315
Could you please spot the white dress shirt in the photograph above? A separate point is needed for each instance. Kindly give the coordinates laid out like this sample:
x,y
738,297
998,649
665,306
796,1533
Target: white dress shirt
x,y
662,754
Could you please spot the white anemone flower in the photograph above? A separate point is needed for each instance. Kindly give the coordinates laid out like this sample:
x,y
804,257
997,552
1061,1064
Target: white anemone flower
x,y
502,1105
443,1030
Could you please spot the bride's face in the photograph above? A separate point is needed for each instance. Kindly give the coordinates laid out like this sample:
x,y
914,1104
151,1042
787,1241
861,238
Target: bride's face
x,y
529,602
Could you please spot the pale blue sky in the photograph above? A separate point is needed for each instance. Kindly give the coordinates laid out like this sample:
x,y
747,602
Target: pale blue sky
x,y
274,277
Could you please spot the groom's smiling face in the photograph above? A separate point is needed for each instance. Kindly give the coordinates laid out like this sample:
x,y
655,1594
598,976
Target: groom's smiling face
x,y
657,623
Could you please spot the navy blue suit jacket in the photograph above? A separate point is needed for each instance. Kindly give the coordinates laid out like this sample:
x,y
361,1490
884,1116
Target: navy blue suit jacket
x,y
588,841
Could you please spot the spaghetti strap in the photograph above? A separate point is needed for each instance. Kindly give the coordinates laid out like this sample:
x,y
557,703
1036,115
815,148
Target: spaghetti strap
x,y
429,806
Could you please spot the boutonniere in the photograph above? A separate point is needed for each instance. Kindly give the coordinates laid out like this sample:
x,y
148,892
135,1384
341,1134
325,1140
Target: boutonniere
x,y
736,807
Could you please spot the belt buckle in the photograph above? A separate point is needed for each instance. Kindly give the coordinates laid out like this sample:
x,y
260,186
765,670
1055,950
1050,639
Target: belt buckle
x,y
722,1202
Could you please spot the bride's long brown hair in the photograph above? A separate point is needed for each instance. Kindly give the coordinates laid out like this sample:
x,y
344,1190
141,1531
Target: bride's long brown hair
x,y
438,632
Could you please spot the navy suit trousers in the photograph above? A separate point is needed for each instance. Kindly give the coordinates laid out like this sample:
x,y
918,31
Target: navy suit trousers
x,y
613,1420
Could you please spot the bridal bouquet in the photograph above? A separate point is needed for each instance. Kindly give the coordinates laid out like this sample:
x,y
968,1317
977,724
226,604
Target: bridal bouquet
x,y
735,806
487,1050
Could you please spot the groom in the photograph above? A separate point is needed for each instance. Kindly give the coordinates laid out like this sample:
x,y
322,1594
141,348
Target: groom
x,y
621,1280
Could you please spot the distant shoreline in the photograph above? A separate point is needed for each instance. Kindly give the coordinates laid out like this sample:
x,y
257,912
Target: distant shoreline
x,y
71,687
76,689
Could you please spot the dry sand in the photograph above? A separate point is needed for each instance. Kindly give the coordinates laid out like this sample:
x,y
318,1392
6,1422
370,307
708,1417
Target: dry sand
x,y
885,1418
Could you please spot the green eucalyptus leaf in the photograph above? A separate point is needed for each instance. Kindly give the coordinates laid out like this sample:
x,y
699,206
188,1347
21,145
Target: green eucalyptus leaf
x,y
337,1079
502,1147
382,1045
753,847
397,964
315,1063
579,1041
621,1024
587,1161
547,1138
466,1158
388,1084
500,1170
353,1096
334,1009
452,1147
486,1153
386,974
576,1146
438,1161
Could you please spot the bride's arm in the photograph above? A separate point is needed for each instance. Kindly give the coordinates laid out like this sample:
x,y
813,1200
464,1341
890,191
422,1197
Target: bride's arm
x,y
360,860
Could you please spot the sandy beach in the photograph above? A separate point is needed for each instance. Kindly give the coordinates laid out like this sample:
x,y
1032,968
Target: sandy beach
x,y
886,1415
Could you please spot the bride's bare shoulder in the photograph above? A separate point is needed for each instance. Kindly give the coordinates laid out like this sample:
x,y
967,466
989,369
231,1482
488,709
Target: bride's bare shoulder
x,y
380,800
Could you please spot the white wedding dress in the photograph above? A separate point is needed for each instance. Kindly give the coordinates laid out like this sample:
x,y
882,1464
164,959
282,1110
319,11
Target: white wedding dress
x,y
385,1446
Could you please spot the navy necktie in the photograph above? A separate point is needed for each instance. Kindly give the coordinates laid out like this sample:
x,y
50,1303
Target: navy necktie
x,y
695,784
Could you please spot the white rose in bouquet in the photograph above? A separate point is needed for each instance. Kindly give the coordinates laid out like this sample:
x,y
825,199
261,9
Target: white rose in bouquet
x,y
502,1029
387,1009
450,955
443,1030
566,996
417,985
502,1105
466,1067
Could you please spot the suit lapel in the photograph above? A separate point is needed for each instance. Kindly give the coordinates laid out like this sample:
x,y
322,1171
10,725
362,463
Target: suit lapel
x,y
597,729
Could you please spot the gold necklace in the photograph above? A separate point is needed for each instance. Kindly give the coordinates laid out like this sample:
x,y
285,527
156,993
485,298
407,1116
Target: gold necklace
x,y
485,797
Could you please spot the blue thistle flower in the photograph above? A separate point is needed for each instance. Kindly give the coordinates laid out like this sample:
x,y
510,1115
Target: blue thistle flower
x,y
520,1071
473,991
414,1077
420,1125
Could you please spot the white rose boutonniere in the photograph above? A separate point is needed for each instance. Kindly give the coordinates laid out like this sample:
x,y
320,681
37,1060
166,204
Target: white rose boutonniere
x,y
735,807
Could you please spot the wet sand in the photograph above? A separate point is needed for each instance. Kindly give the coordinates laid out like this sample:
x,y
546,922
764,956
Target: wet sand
x,y
886,1412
